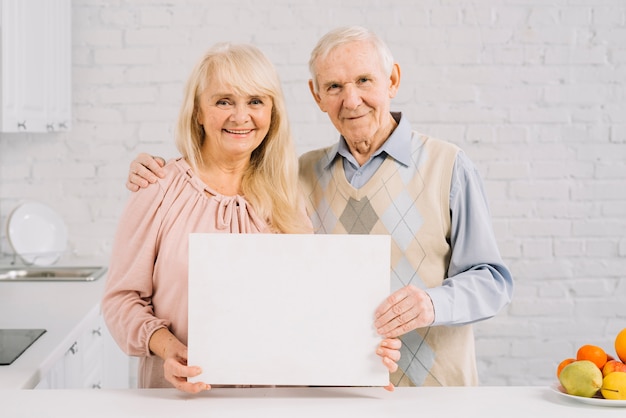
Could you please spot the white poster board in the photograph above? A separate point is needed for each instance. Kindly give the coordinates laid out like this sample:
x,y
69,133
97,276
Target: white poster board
x,y
287,309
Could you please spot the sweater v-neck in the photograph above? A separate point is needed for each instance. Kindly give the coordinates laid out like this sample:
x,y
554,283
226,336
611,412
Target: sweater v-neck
x,y
384,172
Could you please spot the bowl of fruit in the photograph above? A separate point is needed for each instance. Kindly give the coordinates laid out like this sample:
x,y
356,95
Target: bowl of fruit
x,y
595,376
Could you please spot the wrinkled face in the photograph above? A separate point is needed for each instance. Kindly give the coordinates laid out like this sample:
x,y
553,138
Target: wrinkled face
x,y
356,94
234,125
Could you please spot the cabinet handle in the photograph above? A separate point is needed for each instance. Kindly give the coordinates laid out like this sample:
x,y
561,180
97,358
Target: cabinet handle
x,y
74,348
62,125
97,331
21,125
96,386
50,127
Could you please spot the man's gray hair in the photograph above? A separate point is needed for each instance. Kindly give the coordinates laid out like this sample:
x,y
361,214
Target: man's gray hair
x,y
344,35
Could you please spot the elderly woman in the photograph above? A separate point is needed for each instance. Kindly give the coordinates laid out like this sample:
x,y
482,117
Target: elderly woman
x,y
237,174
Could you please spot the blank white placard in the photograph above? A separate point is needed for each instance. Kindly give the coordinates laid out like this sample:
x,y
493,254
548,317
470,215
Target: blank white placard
x,y
287,309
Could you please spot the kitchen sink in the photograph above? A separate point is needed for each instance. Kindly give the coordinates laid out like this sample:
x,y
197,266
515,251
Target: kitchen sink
x,y
51,274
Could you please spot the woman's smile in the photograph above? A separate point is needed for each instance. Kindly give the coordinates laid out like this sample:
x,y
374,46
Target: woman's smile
x,y
238,131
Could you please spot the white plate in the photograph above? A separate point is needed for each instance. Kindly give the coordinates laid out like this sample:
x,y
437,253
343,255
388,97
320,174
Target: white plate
x,y
591,401
37,234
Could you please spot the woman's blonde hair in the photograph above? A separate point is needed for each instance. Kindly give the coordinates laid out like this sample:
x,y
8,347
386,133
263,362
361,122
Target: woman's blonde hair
x,y
344,35
270,184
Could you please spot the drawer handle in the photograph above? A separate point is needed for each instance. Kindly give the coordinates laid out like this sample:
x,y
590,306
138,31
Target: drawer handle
x,y
97,331
74,348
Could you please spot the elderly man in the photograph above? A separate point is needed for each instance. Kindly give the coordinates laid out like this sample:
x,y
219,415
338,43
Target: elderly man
x,y
384,178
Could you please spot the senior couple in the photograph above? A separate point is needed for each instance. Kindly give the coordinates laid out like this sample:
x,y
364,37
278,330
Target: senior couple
x,y
238,173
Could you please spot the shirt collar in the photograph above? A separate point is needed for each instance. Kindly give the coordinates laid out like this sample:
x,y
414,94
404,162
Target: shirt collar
x,y
397,146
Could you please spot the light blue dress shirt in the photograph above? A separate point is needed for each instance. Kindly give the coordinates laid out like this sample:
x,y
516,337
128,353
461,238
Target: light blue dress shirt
x,y
473,291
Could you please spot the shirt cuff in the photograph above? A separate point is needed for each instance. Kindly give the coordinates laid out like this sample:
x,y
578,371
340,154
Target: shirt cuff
x,y
441,305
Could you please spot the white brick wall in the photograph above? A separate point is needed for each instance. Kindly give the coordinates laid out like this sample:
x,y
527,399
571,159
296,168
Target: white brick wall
x,y
533,90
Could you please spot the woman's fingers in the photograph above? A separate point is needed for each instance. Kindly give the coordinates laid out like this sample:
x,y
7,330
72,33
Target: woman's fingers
x,y
177,374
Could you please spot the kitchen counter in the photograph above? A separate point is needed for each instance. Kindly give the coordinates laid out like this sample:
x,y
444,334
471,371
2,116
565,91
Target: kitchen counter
x,y
62,308
464,402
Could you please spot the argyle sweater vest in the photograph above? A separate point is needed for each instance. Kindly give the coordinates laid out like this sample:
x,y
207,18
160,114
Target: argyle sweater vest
x,y
412,204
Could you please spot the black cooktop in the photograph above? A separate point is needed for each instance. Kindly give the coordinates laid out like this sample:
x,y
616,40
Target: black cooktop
x,y
13,342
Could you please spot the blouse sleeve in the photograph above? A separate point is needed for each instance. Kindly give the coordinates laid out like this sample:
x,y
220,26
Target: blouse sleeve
x,y
127,300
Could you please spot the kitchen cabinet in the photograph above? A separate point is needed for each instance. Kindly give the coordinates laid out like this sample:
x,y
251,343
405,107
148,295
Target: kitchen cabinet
x,y
36,65
76,351
82,365
92,361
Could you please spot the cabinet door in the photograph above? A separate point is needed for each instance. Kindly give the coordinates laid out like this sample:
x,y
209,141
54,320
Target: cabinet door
x,y
82,365
72,366
84,361
36,65
58,62
92,370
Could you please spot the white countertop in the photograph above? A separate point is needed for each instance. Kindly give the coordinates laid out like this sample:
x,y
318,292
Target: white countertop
x,y
59,307
466,402
63,307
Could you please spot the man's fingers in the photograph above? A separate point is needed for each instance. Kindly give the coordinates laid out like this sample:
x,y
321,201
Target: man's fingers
x,y
144,174
392,355
391,365
391,300
402,312
400,328
132,187
160,160
393,343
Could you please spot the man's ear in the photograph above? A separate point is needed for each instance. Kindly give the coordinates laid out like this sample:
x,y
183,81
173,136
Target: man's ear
x,y
394,80
316,96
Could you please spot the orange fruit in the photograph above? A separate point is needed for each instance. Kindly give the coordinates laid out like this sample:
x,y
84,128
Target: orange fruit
x,y
620,345
563,364
592,353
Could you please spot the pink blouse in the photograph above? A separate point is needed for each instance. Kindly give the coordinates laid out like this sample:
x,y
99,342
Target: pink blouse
x,y
146,285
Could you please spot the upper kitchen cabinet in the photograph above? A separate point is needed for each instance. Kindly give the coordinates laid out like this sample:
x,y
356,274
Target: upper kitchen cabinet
x,y
36,65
